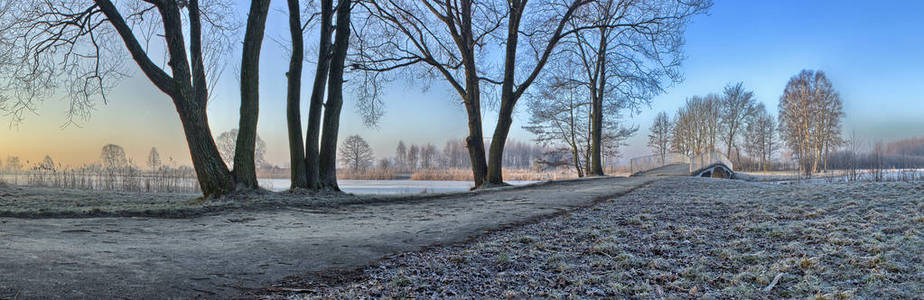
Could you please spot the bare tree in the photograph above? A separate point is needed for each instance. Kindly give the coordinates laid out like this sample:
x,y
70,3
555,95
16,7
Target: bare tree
x,y
810,116
245,163
696,125
659,136
327,154
558,115
227,145
154,162
455,154
760,137
444,39
737,105
47,164
413,156
439,38
401,156
13,163
627,52
560,119
113,157
314,161
385,164
543,31
428,156
356,153
75,43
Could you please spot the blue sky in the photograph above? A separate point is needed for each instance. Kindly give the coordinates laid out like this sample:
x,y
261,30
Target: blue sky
x,y
872,51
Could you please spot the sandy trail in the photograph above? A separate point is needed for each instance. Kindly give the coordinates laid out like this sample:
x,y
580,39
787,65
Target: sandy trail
x,y
225,255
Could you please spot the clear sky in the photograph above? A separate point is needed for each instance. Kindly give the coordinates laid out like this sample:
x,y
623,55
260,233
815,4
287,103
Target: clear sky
x,y
873,51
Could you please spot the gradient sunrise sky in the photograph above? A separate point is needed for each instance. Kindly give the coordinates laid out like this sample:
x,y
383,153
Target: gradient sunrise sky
x,y
873,51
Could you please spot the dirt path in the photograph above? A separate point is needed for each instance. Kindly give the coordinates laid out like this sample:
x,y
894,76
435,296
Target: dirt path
x,y
225,255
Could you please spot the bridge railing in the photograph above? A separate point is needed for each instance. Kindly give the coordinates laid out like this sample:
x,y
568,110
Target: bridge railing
x,y
645,163
707,159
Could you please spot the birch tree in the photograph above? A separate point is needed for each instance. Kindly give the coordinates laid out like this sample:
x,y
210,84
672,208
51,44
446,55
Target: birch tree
x,y
696,125
760,137
154,161
810,118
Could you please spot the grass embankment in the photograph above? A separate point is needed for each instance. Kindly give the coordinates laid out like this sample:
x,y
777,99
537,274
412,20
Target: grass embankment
x,y
680,238
44,202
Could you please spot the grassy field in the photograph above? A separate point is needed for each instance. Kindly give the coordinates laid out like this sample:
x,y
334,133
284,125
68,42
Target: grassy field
x,y
42,202
681,238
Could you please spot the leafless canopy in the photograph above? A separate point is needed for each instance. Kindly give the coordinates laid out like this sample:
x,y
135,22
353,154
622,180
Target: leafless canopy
x,y
356,153
810,118
69,48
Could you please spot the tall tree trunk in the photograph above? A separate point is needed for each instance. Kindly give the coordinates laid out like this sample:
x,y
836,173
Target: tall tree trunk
x,y
577,160
312,160
496,153
598,91
475,140
472,98
244,166
596,153
188,91
508,99
214,177
328,153
298,168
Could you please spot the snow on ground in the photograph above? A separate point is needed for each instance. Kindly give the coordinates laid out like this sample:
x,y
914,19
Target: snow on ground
x,y
678,238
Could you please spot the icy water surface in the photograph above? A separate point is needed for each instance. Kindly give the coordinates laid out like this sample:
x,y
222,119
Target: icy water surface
x,y
389,186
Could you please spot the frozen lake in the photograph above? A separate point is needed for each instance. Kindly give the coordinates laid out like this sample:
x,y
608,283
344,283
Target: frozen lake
x,y
389,186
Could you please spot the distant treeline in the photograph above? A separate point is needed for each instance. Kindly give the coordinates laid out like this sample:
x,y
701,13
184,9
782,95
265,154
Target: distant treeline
x,y
906,147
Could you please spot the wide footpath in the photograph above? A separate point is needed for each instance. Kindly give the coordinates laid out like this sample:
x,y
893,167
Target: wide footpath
x,y
237,252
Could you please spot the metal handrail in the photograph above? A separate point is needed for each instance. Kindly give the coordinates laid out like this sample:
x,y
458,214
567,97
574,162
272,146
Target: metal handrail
x,y
645,163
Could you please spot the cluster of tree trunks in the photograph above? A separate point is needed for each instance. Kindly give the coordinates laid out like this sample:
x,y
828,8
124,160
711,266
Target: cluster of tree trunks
x,y
314,161
446,37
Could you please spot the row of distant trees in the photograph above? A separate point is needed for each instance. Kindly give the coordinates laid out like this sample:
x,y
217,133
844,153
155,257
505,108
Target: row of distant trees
x,y
614,50
809,123
112,157
113,171
357,155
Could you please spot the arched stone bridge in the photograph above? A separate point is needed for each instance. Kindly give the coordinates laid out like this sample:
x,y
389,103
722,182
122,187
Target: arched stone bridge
x,y
710,164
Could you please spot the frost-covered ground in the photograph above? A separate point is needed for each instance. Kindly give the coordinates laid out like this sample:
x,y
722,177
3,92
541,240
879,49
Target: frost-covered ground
x,y
229,251
677,238
832,176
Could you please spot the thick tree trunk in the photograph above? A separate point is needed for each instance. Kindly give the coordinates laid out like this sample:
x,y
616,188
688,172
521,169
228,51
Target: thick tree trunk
x,y
598,91
244,166
188,91
312,161
328,153
475,140
471,97
508,99
298,168
214,177
496,153
596,123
